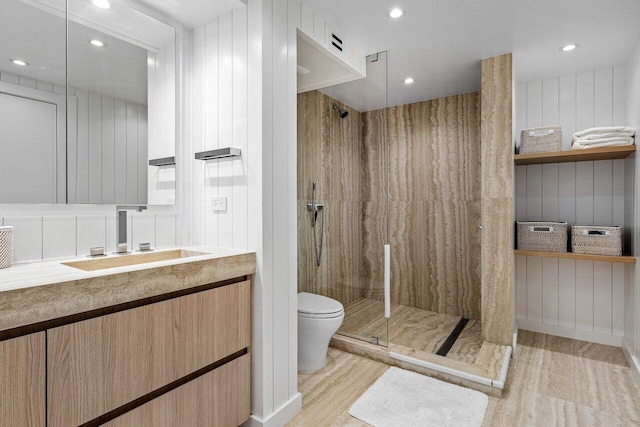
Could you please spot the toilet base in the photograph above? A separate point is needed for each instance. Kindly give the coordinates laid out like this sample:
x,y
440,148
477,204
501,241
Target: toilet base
x,y
313,341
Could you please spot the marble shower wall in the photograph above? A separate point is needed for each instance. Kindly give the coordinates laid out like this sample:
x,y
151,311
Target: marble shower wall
x,y
412,169
330,152
434,202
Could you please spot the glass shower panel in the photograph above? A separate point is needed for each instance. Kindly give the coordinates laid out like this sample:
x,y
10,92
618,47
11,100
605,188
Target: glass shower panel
x,y
356,199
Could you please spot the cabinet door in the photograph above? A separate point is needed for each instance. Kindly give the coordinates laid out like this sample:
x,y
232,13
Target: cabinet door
x,y
98,365
220,398
22,381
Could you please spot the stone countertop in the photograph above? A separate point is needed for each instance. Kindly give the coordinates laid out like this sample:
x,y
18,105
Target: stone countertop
x,y
45,290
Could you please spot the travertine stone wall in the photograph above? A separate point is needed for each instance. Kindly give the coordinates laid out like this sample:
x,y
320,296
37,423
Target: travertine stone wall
x,y
497,200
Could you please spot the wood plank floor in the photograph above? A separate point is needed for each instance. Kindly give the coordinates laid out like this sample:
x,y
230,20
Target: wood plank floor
x,y
553,382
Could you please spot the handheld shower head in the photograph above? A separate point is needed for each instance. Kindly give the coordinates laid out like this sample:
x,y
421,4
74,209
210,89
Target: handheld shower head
x,y
343,113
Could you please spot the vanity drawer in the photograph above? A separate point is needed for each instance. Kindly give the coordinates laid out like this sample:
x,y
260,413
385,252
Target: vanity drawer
x,y
22,381
100,364
220,398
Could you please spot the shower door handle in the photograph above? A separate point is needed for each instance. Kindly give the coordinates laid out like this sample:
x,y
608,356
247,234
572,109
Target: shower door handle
x,y
387,281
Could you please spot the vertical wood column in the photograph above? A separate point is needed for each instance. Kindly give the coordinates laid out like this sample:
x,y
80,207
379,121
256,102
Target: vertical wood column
x,y
497,199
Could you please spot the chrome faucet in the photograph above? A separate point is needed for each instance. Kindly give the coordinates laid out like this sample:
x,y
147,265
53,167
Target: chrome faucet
x,y
121,226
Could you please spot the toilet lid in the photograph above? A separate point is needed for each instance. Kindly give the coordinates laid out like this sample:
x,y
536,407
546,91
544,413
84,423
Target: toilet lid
x,y
317,304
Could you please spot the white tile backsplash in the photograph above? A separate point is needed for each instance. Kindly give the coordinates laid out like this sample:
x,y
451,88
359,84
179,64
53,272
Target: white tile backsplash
x,y
91,233
58,236
27,237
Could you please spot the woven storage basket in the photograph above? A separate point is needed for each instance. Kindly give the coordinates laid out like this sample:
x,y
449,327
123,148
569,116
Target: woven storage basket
x,y
541,140
595,240
542,236
6,247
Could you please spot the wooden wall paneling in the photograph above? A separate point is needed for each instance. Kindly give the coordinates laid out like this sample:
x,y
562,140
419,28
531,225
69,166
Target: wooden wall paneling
x,y
603,192
521,287
584,294
225,125
534,289
602,297
567,192
120,151
550,103
521,193
108,151
95,148
218,398
567,115
143,155
240,196
534,104
617,297
97,365
603,97
23,390
82,148
550,289
567,293
585,100
618,202
132,153
550,192
534,193
619,96
584,193
280,175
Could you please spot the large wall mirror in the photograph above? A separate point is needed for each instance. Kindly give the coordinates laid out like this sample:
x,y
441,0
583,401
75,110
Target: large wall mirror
x,y
98,127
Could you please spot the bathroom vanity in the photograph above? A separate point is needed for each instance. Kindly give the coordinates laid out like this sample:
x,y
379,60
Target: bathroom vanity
x,y
158,339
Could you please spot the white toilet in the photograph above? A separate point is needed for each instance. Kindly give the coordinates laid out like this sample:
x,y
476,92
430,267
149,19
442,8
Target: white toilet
x,y
319,318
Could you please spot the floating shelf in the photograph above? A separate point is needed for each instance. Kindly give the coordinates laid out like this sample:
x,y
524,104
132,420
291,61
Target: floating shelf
x,y
221,153
607,153
165,161
625,258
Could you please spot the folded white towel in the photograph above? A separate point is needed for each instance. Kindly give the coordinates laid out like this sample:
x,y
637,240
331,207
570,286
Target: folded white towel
x,y
605,142
604,130
605,135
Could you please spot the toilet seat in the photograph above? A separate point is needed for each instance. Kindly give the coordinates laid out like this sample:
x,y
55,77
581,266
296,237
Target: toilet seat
x,y
314,306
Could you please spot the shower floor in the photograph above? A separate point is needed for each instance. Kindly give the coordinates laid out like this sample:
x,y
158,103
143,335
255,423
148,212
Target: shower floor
x,y
422,330
419,334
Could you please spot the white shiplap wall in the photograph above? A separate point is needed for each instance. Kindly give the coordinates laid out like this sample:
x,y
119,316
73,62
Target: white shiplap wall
x,y
575,298
107,150
631,342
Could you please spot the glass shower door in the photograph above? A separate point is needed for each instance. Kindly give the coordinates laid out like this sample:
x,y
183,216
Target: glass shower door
x,y
357,223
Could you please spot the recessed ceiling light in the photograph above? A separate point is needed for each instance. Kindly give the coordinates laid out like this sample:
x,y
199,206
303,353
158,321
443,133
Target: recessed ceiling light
x,y
396,13
20,62
569,47
102,4
97,43
408,80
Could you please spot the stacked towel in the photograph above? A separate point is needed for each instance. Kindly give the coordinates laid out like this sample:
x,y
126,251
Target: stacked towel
x,y
603,137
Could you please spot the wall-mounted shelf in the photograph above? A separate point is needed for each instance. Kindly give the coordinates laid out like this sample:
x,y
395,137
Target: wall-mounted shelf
x,y
221,153
624,259
607,153
165,161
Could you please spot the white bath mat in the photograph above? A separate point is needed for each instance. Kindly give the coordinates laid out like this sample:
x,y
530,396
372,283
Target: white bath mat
x,y
405,398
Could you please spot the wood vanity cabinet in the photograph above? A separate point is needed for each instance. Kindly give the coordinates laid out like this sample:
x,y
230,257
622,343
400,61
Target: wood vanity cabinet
x,y
22,381
169,354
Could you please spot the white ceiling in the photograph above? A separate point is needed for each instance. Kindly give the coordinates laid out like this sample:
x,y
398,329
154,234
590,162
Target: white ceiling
x,y
441,42
193,13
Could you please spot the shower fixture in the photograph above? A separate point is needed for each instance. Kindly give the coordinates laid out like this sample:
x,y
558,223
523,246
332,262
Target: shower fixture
x,y
316,208
343,113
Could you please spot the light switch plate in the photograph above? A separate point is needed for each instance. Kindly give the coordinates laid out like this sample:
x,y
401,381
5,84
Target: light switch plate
x,y
219,203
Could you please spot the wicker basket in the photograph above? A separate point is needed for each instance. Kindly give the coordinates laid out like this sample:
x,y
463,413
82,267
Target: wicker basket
x,y
541,140
596,240
542,236
6,247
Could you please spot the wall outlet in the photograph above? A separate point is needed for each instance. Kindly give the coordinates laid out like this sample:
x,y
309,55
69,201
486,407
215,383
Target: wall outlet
x,y
219,203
